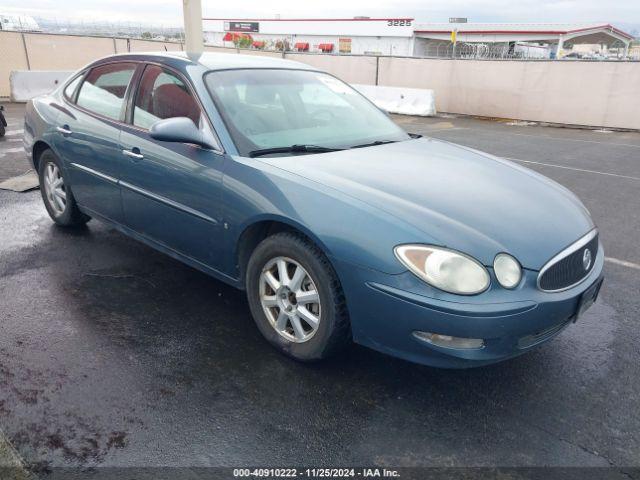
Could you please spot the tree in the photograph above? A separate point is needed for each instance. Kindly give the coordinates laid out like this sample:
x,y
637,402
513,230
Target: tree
x,y
242,41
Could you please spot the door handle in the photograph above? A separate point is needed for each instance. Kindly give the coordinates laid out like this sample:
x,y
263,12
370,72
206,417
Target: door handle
x,y
64,130
132,154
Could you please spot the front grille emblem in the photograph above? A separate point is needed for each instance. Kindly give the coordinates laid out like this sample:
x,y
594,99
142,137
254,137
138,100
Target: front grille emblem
x,y
586,259
571,266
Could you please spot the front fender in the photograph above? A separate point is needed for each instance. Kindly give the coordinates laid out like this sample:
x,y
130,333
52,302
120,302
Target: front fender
x,y
342,226
274,217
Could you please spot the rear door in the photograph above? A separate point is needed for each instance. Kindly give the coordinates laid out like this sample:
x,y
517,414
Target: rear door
x,y
171,192
89,135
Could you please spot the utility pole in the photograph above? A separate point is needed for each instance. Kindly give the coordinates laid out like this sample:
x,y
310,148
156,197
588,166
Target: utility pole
x,y
454,40
194,43
560,47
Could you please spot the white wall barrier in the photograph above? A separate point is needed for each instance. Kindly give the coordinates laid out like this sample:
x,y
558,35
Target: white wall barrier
x,y
406,101
596,94
28,84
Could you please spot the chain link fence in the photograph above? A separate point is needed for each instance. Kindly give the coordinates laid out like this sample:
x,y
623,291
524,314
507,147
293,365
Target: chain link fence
x,y
519,51
424,48
144,31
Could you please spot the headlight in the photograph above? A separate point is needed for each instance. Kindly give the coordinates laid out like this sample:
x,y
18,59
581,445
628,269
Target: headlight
x,y
507,270
445,269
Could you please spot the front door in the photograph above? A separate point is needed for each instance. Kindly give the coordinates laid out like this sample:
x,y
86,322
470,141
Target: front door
x,y
171,192
89,138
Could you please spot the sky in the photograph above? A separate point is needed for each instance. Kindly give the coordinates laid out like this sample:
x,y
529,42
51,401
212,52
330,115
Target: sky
x,y
621,13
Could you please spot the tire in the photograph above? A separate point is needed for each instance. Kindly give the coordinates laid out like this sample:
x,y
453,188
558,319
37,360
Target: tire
x,y
63,211
332,332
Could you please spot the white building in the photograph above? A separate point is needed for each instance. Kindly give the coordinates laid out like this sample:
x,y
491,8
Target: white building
x,y
405,37
372,36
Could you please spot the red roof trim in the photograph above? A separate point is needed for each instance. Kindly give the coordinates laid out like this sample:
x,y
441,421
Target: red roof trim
x,y
607,26
494,32
310,19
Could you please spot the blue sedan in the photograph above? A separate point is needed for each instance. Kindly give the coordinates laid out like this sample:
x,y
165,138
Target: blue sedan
x,y
282,180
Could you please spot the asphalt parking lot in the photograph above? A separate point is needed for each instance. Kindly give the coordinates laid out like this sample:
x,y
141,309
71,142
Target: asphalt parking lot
x,y
112,354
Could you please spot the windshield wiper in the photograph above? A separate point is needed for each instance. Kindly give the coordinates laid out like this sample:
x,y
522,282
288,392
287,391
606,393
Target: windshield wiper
x,y
293,149
373,144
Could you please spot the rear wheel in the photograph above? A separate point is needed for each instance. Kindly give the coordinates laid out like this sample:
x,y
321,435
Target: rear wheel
x,y
56,193
296,298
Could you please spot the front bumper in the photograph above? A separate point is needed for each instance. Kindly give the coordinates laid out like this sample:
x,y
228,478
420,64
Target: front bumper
x,y
385,310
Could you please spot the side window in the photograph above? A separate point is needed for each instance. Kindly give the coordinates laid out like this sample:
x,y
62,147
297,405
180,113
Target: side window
x,y
161,95
72,87
104,88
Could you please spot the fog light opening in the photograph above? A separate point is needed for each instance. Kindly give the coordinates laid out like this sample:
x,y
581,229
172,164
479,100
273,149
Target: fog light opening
x,y
447,341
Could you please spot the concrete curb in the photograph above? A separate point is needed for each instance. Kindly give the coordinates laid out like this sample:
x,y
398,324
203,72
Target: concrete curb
x,y
12,467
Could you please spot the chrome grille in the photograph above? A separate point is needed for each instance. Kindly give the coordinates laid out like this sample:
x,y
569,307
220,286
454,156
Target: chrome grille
x,y
570,266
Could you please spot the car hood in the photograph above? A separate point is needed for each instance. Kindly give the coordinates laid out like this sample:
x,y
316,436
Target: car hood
x,y
460,198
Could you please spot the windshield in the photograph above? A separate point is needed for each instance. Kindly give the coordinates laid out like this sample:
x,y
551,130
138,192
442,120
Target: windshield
x,y
280,108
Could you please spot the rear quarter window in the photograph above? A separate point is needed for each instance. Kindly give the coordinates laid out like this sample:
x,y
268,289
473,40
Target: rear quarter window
x,y
70,90
104,88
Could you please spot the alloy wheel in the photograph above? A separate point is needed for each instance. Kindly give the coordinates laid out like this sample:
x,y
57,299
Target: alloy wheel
x,y
290,299
54,188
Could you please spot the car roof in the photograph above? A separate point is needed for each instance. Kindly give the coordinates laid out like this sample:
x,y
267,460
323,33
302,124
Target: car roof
x,y
214,60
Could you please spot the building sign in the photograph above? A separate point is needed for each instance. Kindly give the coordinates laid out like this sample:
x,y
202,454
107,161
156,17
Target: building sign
x,y
399,22
344,45
457,20
242,26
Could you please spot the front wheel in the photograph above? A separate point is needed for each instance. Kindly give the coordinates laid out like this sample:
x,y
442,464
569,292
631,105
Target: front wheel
x,y
56,193
296,299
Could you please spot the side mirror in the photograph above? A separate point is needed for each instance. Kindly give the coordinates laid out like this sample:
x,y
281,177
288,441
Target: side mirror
x,y
179,130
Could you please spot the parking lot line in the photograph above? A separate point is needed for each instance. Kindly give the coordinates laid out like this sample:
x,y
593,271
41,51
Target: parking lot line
x,y
548,137
4,151
443,129
11,465
8,133
565,139
584,170
623,263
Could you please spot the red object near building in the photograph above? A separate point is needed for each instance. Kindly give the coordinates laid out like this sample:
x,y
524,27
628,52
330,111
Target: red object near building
x,y
259,44
326,47
233,36
301,47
